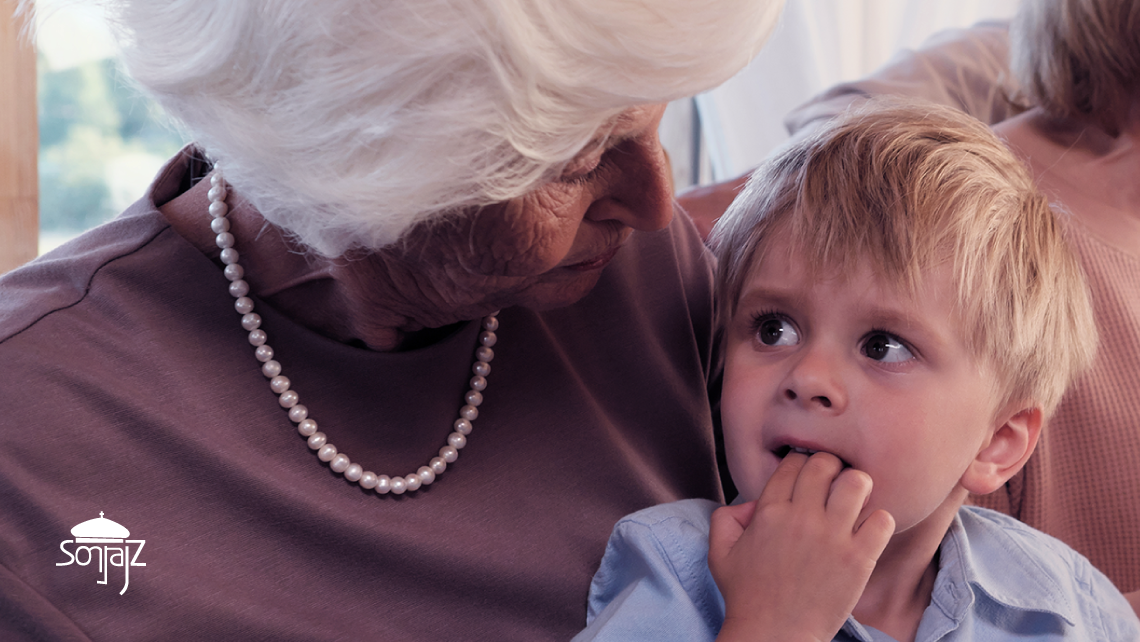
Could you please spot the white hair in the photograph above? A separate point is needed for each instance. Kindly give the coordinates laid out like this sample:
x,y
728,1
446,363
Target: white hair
x,y
348,121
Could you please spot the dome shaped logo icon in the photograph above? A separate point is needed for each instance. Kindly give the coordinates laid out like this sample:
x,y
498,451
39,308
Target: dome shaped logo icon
x,y
106,543
99,530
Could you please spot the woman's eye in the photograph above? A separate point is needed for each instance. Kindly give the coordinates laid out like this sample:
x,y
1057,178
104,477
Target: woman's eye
x,y
774,331
881,346
582,175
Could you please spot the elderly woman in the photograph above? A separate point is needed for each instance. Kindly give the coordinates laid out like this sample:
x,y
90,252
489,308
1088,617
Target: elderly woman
x,y
469,334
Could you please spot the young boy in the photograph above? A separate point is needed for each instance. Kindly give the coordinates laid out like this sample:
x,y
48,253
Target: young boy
x,y
900,316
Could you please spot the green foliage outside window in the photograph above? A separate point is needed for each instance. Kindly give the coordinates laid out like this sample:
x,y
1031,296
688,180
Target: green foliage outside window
x,y
89,116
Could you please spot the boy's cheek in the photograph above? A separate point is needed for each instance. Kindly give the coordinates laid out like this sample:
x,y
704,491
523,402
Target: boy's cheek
x,y
751,477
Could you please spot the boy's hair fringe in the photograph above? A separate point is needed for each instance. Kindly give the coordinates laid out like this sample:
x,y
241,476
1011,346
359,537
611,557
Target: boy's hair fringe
x,y
909,186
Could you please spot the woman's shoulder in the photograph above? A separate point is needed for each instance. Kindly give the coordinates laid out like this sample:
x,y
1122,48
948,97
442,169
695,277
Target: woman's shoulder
x,y
64,277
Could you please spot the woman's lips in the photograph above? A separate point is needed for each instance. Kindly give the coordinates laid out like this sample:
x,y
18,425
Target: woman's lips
x,y
598,262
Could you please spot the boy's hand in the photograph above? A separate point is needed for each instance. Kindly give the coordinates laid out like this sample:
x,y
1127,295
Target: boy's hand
x,y
793,564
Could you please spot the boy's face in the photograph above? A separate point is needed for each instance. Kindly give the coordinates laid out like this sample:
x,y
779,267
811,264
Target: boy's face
x,y
852,366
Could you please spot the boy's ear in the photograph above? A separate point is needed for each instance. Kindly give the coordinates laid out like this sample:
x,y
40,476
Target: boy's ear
x,y
1010,446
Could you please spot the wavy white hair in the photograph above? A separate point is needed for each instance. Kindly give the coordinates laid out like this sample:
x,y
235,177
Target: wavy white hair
x,y
348,121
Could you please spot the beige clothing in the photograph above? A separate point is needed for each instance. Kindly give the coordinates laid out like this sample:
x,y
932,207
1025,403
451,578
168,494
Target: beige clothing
x,y
1082,485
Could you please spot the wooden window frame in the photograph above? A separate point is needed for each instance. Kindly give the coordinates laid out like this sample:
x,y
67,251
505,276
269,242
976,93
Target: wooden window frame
x,y
19,143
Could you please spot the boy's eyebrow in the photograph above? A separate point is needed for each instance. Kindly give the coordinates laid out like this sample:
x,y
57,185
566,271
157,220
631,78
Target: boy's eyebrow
x,y
775,295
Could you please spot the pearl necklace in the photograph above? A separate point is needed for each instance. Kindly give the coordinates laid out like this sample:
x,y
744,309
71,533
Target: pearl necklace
x,y
290,400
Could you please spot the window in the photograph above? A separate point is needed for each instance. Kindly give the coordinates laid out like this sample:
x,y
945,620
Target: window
x,y
101,141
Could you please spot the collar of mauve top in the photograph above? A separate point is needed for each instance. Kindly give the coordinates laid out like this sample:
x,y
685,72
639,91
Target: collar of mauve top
x,y
291,401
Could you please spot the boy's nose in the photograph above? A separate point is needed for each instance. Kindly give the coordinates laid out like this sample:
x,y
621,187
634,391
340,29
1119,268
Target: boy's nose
x,y
814,384
819,399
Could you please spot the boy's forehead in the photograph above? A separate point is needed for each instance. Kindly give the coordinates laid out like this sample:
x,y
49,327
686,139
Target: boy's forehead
x,y
783,256
785,275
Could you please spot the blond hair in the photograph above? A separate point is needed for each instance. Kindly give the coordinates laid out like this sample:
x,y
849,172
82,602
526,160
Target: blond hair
x,y
1078,57
909,186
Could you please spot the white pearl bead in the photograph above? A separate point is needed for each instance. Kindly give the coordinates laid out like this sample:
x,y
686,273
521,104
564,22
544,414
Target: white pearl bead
x,y
367,479
307,427
288,399
413,481
279,384
398,485
239,288
251,321
340,463
383,485
233,271
298,413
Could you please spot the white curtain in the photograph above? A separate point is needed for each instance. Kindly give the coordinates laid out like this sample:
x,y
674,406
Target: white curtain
x,y
817,44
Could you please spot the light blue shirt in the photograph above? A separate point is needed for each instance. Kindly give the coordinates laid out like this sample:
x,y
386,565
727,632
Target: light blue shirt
x,y
998,579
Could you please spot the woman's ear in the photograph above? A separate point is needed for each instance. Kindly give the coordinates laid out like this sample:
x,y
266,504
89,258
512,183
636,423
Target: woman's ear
x,y
1009,447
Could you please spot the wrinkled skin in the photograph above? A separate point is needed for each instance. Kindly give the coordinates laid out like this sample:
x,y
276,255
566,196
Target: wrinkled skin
x,y
543,250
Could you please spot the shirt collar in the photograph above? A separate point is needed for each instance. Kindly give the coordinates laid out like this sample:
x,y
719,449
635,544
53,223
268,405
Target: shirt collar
x,y
987,551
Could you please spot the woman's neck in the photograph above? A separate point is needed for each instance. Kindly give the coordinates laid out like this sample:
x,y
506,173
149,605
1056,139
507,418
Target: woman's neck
x,y
1080,165
351,301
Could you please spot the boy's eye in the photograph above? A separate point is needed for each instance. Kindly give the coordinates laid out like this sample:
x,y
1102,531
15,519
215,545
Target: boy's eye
x,y
774,331
881,346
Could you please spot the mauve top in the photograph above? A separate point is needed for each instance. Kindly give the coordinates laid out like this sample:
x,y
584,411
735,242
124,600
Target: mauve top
x,y
129,389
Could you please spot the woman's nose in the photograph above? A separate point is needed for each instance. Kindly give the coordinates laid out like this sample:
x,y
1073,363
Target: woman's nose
x,y
814,383
641,194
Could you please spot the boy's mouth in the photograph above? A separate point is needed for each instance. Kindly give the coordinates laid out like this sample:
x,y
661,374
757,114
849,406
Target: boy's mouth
x,y
784,451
